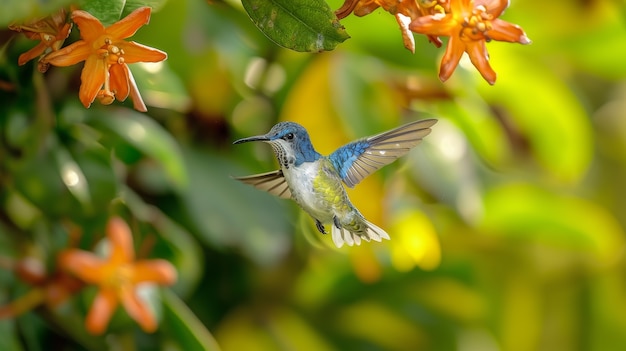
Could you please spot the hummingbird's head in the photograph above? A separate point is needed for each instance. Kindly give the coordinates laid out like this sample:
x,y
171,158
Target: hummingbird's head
x,y
290,142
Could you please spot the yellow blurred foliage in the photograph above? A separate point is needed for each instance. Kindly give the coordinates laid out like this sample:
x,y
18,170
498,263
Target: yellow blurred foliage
x,y
414,241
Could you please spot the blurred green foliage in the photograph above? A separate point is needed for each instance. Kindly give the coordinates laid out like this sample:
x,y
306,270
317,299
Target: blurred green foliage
x,y
507,223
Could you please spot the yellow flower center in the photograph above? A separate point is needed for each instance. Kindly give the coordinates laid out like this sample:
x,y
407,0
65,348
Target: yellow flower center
x,y
115,54
477,24
111,54
118,277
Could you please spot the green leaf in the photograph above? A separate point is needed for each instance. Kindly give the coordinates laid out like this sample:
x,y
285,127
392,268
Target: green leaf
x,y
147,136
107,11
184,327
111,11
300,25
132,5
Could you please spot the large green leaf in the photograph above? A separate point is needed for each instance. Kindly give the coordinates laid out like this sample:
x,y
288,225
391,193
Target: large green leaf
x,y
300,25
107,11
111,11
132,5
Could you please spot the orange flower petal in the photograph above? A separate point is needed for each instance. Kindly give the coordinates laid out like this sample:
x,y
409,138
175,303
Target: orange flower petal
x,y
90,27
138,103
31,54
82,264
92,78
127,26
156,271
479,56
505,31
407,36
102,308
435,25
451,58
365,8
64,32
135,52
69,55
461,8
494,7
121,239
119,81
138,310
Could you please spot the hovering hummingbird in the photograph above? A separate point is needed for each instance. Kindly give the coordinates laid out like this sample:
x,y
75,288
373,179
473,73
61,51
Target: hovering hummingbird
x,y
314,181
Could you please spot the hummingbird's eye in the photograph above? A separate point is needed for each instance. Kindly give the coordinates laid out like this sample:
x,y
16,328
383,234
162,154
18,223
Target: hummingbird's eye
x,y
289,136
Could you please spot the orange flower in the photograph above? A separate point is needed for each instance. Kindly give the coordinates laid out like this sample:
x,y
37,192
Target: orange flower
x,y
403,11
470,24
106,54
51,31
117,278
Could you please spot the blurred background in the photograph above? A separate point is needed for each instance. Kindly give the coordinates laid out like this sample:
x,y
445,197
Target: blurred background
x,y
507,222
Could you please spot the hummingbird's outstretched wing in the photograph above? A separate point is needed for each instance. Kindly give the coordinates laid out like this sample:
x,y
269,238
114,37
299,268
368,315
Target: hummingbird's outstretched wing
x,y
360,158
272,182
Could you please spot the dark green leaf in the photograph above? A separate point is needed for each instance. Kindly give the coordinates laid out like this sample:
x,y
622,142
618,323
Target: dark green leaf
x,y
107,11
300,25
132,5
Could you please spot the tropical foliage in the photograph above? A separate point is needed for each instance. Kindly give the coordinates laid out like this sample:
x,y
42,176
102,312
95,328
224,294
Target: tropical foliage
x,y
121,226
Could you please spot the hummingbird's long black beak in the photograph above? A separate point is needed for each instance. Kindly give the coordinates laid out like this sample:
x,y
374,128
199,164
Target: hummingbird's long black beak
x,y
252,138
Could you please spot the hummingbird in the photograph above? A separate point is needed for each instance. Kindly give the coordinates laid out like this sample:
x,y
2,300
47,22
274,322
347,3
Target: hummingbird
x,y
314,181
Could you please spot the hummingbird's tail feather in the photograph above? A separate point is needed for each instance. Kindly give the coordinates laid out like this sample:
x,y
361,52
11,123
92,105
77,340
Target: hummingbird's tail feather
x,y
372,232
375,232
338,236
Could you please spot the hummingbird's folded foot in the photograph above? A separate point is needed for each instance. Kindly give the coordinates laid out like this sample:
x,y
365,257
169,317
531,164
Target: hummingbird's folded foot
x,y
320,227
336,222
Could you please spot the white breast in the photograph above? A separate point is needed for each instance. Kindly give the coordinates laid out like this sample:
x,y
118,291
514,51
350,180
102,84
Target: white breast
x,y
300,180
